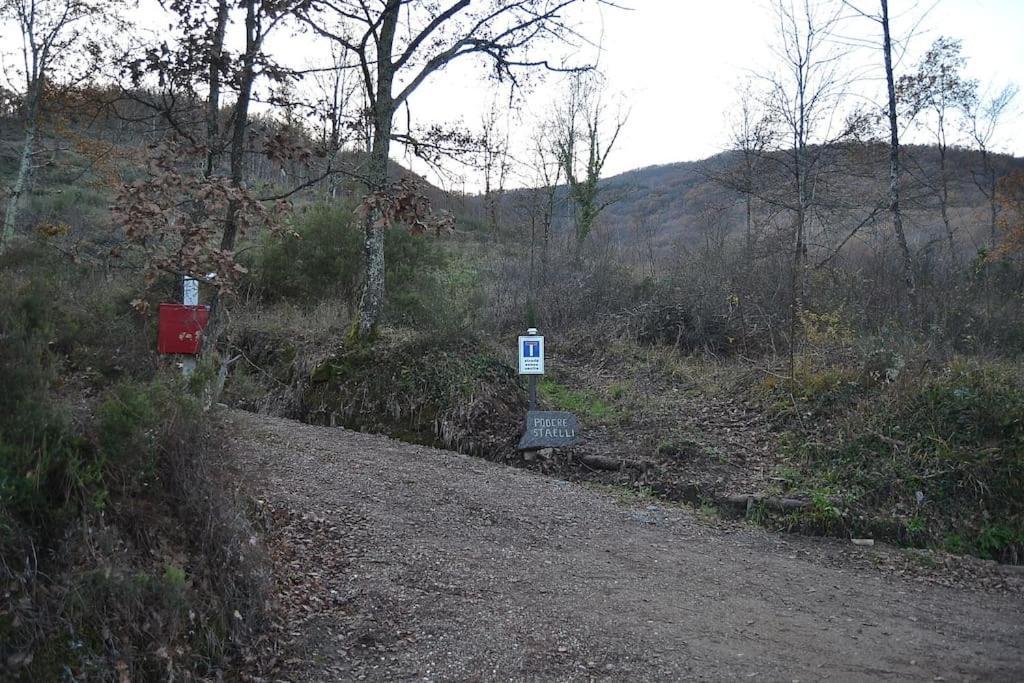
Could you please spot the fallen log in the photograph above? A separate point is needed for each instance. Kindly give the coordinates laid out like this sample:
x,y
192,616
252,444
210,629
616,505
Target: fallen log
x,y
748,500
600,462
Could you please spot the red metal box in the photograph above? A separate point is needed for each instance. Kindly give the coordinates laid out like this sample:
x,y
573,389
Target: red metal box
x,y
181,328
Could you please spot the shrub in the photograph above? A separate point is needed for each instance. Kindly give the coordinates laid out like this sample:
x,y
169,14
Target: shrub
x,y
451,392
321,260
99,580
426,286
42,463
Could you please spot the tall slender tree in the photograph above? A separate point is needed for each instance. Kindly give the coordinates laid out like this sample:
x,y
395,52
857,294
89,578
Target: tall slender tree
x,y
805,93
495,160
399,45
58,44
984,114
934,95
753,131
895,169
585,136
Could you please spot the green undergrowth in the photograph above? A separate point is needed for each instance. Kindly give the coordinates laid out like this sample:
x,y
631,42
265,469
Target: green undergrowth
x,y
928,456
103,463
588,405
455,393
428,285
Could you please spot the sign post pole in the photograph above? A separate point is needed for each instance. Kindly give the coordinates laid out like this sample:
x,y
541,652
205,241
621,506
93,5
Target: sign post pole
x,y
189,297
531,361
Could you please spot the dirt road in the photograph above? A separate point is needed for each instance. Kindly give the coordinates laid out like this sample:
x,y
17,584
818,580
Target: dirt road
x,y
399,562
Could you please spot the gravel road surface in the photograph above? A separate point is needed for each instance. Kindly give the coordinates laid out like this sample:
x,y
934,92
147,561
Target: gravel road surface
x,y
401,562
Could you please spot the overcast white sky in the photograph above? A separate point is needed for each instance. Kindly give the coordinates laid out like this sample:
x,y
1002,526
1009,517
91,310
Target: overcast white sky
x,y
676,64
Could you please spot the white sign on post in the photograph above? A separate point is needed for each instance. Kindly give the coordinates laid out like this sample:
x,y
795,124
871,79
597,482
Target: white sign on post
x,y
190,291
531,355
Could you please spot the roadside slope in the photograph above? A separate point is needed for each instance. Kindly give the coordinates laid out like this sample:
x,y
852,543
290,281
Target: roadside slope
x,y
396,561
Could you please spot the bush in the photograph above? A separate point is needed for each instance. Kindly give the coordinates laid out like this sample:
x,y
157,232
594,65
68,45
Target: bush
x,y
939,453
322,260
451,392
43,465
101,467
426,286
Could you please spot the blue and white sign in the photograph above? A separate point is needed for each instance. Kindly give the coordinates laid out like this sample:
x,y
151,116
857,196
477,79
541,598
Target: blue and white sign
x,y
531,355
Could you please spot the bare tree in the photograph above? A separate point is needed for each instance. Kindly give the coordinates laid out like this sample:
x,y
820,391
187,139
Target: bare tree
x,y
934,94
58,40
495,161
547,176
336,90
983,116
215,70
892,116
399,45
643,235
895,170
584,137
805,97
752,132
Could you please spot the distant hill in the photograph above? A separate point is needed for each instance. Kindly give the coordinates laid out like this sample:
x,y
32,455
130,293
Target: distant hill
x,y
681,203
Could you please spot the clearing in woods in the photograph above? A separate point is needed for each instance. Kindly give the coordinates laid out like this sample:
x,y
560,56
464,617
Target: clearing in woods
x,y
395,561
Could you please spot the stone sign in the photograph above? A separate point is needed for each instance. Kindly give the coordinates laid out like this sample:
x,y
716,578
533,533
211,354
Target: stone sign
x,y
549,429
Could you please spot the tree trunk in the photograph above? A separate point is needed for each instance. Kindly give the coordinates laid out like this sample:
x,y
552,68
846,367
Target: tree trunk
x,y
371,304
213,103
750,227
797,278
987,185
895,171
240,126
20,183
241,123
803,203
24,166
549,211
944,206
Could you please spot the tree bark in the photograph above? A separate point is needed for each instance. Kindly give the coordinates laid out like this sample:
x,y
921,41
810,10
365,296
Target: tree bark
x,y
213,104
24,166
18,189
750,227
992,205
895,171
241,122
803,202
371,303
944,204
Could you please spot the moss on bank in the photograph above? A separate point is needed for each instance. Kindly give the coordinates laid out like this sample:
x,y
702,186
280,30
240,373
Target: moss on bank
x,y
927,457
452,393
